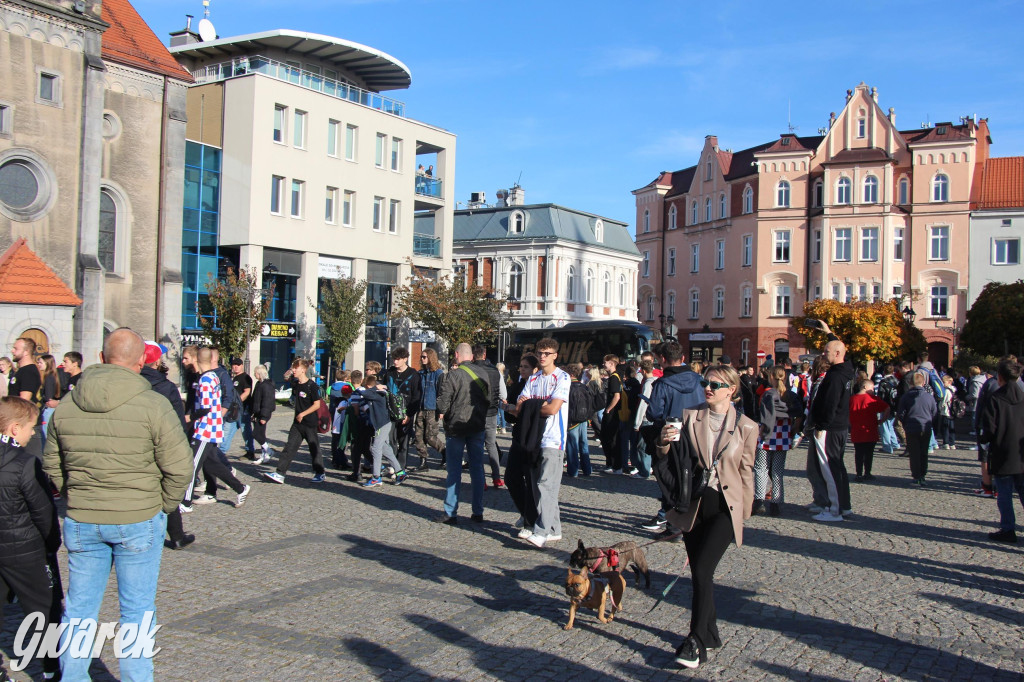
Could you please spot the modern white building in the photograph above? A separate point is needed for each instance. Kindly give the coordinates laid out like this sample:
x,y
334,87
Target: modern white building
x,y
997,224
297,165
556,265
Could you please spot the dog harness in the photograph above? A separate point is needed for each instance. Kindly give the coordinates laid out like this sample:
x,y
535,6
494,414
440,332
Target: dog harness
x,y
607,590
612,555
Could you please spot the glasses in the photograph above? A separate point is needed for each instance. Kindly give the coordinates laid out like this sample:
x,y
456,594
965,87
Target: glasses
x,y
545,353
715,385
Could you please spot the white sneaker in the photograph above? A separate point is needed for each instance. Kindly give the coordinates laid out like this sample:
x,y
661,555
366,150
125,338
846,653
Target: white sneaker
x,y
241,496
184,508
609,470
525,533
827,516
553,538
536,540
204,499
630,472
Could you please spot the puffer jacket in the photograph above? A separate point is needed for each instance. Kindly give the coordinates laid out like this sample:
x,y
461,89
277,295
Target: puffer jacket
x,y
116,449
263,402
1002,427
28,521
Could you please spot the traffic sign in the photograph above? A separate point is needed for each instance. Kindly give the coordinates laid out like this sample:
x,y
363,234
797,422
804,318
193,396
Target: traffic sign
x,y
761,355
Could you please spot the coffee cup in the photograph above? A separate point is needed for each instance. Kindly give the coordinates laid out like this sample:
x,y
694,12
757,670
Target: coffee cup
x,y
677,425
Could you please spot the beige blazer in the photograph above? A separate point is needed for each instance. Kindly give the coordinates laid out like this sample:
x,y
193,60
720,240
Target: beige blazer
x,y
735,464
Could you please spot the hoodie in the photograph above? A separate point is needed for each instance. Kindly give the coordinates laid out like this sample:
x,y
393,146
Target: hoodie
x,y
830,410
116,449
677,390
1002,427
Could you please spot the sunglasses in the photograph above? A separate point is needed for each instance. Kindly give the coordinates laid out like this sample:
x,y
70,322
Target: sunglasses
x,y
715,385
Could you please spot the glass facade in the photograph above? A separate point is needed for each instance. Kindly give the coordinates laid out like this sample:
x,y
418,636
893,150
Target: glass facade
x,y
200,253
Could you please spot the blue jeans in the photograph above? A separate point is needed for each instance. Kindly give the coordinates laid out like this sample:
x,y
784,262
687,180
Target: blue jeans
x,y
577,451
134,549
230,428
1005,485
501,419
641,459
889,440
627,444
454,447
245,424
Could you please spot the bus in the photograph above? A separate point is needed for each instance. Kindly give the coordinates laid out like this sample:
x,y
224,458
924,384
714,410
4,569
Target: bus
x,y
587,342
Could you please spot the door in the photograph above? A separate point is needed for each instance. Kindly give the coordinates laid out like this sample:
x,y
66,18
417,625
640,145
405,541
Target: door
x,y
39,336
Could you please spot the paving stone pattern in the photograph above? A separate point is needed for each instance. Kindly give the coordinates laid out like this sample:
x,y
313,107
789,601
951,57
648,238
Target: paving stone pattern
x,y
333,581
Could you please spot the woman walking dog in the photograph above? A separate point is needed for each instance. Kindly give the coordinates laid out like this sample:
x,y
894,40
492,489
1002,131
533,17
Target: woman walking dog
x,y
724,442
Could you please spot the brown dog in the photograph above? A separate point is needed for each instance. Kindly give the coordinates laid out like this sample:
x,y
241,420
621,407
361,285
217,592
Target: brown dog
x,y
614,558
597,591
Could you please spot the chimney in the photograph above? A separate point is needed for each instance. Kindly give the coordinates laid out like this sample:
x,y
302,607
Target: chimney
x,y
185,36
502,198
516,196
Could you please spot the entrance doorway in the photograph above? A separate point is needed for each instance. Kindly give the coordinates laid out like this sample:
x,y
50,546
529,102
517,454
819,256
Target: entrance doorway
x,y
39,336
938,354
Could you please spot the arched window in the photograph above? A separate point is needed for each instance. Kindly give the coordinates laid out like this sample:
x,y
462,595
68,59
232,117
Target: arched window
x,y
590,286
570,284
599,226
722,206
693,213
871,190
672,217
606,285
622,290
819,194
647,222
670,304
782,194
940,188
107,251
515,282
843,191
748,200
694,304
518,222
707,210
904,191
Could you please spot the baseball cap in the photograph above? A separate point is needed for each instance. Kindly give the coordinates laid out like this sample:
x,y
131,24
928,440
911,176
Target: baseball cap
x,y
725,360
236,361
154,351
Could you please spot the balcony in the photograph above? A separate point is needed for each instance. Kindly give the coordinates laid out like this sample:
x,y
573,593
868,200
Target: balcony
x,y
244,66
426,245
429,187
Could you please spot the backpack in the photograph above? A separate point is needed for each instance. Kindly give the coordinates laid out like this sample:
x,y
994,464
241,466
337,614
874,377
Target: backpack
x,y
397,411
957,408
581,403
888,390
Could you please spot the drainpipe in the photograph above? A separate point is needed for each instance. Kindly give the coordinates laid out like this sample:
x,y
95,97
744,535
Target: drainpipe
x,y
160,222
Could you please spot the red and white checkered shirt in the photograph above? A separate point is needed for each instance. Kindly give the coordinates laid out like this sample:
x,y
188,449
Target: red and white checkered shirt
x,y
209,427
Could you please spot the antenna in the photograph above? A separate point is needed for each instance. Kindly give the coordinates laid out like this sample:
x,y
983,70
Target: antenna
x,y
206,30
519,178
789,118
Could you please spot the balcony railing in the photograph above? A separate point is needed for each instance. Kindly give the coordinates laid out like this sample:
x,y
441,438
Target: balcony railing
x,y
426,245
428,186
243,66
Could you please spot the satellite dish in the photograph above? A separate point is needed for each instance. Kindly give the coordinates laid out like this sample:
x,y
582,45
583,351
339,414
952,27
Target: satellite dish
x,y
206,30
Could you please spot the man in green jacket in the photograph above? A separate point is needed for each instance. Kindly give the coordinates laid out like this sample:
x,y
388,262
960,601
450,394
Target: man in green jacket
x,y
116,450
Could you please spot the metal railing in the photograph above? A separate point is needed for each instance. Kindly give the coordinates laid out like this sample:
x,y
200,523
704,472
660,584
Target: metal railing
x,y
243,66
429,187
426,245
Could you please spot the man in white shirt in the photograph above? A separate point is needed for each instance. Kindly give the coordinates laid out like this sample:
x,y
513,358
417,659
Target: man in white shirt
x,y
550,384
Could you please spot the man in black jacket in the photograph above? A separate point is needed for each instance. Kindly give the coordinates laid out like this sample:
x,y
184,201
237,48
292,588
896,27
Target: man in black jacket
x,y
403,379
1002,427
157,378
830,413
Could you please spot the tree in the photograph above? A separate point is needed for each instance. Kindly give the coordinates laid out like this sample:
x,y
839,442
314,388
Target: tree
x,y
994,323
457,311
232,312
871,331
342,313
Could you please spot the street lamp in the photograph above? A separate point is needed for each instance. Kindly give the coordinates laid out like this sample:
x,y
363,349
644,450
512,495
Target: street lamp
x,y
909,315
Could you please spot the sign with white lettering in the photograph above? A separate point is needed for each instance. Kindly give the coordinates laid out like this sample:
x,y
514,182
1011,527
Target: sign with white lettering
x,y
335,268
707,336
195,339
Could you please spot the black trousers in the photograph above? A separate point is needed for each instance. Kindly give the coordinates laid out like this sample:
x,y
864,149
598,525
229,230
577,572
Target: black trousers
x,y
296,434
705,545
610,439
519,486
917,449
863,456
402,435
35,580
213,466
259,432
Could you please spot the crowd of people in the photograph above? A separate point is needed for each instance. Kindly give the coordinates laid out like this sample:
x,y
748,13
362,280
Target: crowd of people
x,y
716,438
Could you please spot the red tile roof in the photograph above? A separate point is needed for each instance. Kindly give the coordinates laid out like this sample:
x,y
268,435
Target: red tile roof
x,y
131,41
26,279
860,155
1002,184
940,132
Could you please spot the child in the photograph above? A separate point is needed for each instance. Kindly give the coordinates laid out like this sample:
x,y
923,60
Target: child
x,y
359,430
917,412
340,428
375,404
865,409
29,529
946,427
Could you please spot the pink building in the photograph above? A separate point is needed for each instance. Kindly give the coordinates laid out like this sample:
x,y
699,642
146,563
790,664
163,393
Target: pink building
x,y
735,245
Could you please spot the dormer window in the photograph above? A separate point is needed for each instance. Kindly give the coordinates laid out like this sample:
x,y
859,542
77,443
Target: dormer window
x,y
599,229
940,130
518,222
785,142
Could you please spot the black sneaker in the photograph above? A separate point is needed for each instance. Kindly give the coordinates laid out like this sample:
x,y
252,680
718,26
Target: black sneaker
x,y
656,523
670,534
184,542
774,509
688,653
758,508
1007,536
447,520
479,518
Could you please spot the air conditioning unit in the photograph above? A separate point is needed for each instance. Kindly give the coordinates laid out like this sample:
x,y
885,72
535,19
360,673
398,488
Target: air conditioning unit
x,y
477,197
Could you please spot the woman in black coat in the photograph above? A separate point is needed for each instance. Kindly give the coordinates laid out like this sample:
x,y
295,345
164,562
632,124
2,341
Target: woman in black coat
x,y
263,405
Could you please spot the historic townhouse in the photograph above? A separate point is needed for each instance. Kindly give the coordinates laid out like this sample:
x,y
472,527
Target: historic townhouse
x,y
996,225
735,245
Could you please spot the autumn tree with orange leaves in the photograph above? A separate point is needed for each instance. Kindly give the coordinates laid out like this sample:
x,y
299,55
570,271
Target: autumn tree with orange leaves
x,y
871,331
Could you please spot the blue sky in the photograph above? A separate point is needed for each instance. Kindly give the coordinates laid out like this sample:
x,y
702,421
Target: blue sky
x,y
590,100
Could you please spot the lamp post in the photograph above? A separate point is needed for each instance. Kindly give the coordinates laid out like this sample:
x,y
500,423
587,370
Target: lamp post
x,y
253,297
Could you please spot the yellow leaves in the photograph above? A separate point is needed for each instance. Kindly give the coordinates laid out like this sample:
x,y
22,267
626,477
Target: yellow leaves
x,y
871,331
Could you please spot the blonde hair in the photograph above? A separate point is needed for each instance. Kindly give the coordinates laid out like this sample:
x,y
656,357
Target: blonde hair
x,y
15,410
260,372
777,379
731,376
373,367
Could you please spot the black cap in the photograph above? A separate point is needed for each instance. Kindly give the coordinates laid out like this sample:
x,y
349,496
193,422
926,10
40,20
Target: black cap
x,y
236,361
725,360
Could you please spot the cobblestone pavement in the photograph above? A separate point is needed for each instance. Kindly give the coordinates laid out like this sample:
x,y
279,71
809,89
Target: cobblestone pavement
x,y
332,581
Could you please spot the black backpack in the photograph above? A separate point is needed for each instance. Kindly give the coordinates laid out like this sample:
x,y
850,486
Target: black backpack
x,y
581,403
888,390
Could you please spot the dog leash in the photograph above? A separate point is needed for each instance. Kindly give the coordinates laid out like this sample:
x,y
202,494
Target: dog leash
x,y
664,593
